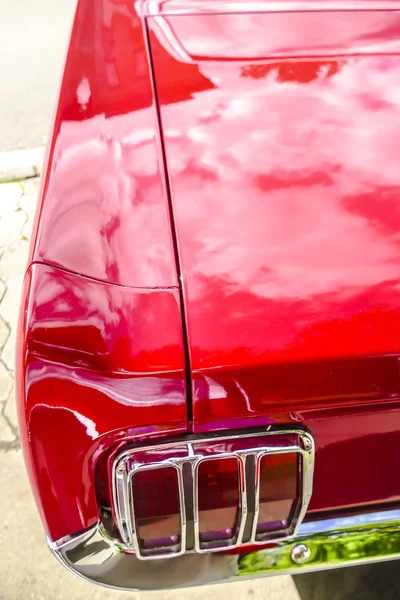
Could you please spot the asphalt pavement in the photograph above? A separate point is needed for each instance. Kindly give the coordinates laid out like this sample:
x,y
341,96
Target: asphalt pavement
x,y
33,44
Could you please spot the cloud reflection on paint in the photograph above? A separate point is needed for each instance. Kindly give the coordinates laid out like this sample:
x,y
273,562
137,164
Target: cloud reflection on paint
x,y
291,169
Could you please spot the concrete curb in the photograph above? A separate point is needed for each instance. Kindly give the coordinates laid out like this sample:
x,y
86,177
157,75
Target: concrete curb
x,y
21,164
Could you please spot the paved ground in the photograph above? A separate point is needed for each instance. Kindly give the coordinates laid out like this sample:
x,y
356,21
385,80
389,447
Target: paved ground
x,y
27,569
33,41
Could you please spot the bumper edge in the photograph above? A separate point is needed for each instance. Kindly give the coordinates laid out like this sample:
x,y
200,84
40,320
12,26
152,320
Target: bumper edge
x,y
330,543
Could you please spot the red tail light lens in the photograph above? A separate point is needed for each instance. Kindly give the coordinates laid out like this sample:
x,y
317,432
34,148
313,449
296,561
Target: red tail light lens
x,y
157,508
278,491
218,501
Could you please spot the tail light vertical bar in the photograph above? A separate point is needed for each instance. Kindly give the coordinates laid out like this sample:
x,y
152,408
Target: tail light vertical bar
x,y
307,451
122,504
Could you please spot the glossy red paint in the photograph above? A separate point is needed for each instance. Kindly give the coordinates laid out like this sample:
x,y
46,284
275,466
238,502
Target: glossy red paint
x,y
282,168
104,211
98,364
356,457
290,248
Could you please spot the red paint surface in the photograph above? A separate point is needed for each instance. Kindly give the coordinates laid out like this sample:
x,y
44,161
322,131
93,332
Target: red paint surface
x,y
106,213
101,363
284,179
285,191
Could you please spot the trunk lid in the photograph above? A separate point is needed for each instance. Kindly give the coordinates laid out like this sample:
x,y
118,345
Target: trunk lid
x,y
282,158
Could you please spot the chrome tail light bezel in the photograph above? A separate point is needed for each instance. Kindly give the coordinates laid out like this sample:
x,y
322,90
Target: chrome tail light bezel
x,y
248,449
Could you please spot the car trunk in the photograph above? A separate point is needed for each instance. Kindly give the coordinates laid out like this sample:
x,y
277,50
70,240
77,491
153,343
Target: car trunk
x,y
279,132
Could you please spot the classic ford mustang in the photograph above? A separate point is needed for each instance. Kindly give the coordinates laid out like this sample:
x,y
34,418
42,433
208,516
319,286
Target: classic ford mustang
x,y
208,353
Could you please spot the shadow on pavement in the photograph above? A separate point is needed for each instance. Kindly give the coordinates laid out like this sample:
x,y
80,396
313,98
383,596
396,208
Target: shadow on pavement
x,y
367,582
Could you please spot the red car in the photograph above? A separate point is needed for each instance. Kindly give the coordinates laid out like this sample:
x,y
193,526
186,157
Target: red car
x,y
208,353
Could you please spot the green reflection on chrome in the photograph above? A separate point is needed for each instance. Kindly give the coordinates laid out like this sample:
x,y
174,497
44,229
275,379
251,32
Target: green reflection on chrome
x,y
330,549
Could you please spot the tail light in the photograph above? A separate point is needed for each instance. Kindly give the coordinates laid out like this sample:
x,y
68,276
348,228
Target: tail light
x,y
157,509
277,478
219,501
210,495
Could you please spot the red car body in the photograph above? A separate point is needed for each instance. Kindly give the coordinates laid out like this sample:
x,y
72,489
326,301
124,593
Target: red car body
x,y
217,247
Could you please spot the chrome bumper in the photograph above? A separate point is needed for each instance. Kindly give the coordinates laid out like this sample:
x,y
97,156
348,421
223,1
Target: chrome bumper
x,y
323,544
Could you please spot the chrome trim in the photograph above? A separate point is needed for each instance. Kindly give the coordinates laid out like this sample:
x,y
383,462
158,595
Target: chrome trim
x,y
160,11
342,541
165,8
195,452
